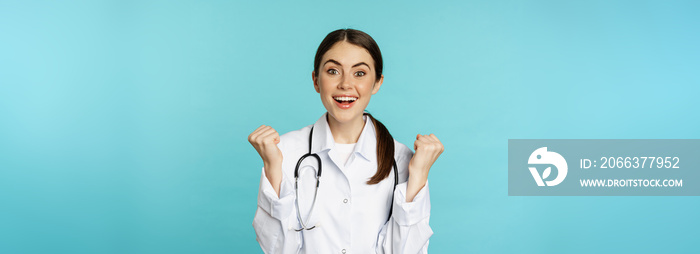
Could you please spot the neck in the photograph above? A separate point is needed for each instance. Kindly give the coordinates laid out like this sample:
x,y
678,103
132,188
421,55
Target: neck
x,y
348,132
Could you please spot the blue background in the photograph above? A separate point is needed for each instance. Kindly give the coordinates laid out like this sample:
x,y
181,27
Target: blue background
x,y
124,124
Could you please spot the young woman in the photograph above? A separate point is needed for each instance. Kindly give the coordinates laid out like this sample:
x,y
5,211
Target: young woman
x,y
371,194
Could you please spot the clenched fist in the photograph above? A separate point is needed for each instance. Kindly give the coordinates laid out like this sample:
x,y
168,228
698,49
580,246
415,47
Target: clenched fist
x,y
265,140
428,149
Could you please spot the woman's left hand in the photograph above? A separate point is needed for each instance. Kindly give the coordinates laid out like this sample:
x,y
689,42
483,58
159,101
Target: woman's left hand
x,y
428,148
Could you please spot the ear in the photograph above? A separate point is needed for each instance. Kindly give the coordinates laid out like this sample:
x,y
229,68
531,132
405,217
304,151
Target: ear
x,y
315,79
377,84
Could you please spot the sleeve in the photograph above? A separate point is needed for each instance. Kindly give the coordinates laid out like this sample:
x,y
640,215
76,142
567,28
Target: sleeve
x,y
274,218
408,229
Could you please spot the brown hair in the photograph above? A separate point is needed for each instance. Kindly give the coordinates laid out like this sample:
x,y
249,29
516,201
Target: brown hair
x,y
385,142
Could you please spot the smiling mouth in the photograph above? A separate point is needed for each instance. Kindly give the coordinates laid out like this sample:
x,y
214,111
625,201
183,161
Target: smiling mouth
x,y
345,99
345,102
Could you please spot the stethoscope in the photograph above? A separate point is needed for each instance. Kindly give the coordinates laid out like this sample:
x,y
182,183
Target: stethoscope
x,y
318,182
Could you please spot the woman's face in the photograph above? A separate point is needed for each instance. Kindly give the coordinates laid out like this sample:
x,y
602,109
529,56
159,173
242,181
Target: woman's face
x,y
346,81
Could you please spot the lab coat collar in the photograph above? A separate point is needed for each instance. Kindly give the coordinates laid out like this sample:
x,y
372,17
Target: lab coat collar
x,y
366,145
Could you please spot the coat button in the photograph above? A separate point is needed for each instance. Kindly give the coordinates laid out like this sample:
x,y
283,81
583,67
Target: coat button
x,y
343,251
345,201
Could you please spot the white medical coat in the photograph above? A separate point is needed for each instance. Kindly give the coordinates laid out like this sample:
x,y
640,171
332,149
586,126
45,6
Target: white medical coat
x,y
350,216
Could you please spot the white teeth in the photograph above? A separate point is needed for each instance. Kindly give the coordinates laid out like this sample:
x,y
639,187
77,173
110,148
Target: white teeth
x,y
345,98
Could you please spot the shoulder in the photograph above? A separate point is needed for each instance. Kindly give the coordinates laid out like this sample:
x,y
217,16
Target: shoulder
x,y
401,151
293,145
294,139
403,156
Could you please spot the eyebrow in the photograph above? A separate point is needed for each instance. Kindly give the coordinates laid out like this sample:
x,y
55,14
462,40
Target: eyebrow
x,y
357,64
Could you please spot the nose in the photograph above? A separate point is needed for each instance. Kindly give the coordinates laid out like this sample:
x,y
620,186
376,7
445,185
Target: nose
x,y
345,82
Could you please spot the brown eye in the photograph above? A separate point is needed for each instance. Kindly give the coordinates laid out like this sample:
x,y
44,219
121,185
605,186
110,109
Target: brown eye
x,y
332,71
360,73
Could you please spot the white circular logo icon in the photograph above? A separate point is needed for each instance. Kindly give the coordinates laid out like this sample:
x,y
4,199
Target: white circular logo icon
x,y
542,156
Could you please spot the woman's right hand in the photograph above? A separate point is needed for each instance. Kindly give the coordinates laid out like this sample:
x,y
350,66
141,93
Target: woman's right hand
x,y
265,140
